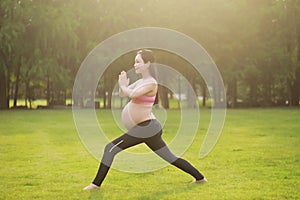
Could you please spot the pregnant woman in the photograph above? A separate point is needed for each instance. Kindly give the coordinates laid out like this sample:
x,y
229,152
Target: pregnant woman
x,y
141,123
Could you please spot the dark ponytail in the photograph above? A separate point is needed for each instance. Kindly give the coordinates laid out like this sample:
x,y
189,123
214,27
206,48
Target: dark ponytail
x,y
147,56
153,73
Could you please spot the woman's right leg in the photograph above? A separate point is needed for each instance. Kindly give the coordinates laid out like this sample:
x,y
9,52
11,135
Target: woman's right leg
x,y
133,137
121,143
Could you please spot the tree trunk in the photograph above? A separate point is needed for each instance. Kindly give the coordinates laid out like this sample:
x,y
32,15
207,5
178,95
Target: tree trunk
x,y
109,96
267,98
163,91
48,90
16,93
295,90
253,97
295,96
233,92
3,90
26,93
52,94
104,99
295,87
190,93
204,95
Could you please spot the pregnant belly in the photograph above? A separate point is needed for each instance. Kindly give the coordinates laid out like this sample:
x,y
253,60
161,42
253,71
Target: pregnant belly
x,y
133,114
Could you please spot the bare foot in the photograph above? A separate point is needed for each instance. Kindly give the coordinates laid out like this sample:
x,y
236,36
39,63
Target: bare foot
x,y
204,180
91,187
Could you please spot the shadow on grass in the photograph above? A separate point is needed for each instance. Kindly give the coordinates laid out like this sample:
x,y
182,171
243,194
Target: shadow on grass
x,y
170,193
165,194
96,194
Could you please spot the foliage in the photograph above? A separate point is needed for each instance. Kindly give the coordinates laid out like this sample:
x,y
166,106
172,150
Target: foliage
x,y
255,44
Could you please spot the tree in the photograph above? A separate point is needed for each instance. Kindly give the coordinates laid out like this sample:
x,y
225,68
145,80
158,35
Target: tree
x,y
11,28
53,46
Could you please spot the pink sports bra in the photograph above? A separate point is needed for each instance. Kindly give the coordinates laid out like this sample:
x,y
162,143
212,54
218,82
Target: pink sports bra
x,y
148,100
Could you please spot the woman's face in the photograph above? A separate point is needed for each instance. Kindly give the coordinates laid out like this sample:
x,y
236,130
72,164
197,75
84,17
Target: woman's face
x,y
139,64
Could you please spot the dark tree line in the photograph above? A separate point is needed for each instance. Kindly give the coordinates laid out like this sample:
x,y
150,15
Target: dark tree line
x,y
255,44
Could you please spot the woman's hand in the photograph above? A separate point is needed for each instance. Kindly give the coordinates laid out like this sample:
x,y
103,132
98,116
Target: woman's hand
x,y
123,80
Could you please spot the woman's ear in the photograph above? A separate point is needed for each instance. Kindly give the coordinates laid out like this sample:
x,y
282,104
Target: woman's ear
x,y
148,63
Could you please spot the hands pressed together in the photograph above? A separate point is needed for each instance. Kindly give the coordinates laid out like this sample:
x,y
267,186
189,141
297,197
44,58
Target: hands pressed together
x,y
123,80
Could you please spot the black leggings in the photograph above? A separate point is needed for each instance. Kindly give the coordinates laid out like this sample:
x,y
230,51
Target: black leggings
x,y
135,136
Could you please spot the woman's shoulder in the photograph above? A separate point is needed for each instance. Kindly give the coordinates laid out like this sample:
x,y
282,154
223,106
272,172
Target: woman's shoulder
x,y
144,82
149,80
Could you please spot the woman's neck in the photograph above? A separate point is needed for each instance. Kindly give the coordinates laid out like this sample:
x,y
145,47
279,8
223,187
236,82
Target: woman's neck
x,y
146,75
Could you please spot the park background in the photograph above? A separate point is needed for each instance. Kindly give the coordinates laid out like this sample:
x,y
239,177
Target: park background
x,y
255,45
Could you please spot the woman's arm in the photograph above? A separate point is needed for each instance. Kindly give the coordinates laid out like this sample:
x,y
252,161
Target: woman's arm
x,y
138,91
123,80
132,86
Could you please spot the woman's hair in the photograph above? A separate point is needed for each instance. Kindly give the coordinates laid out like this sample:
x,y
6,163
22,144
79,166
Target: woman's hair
x,y
147,56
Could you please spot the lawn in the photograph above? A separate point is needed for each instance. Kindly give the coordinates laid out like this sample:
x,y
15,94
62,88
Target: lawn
x,y
256,157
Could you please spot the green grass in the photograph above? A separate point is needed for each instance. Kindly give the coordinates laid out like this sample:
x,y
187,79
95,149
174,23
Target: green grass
x,y
257,157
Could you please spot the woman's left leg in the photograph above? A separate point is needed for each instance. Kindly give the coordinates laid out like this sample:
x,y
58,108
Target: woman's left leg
x,y
157,145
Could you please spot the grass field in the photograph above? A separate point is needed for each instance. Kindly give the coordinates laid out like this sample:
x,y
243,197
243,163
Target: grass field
x,y
257,157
